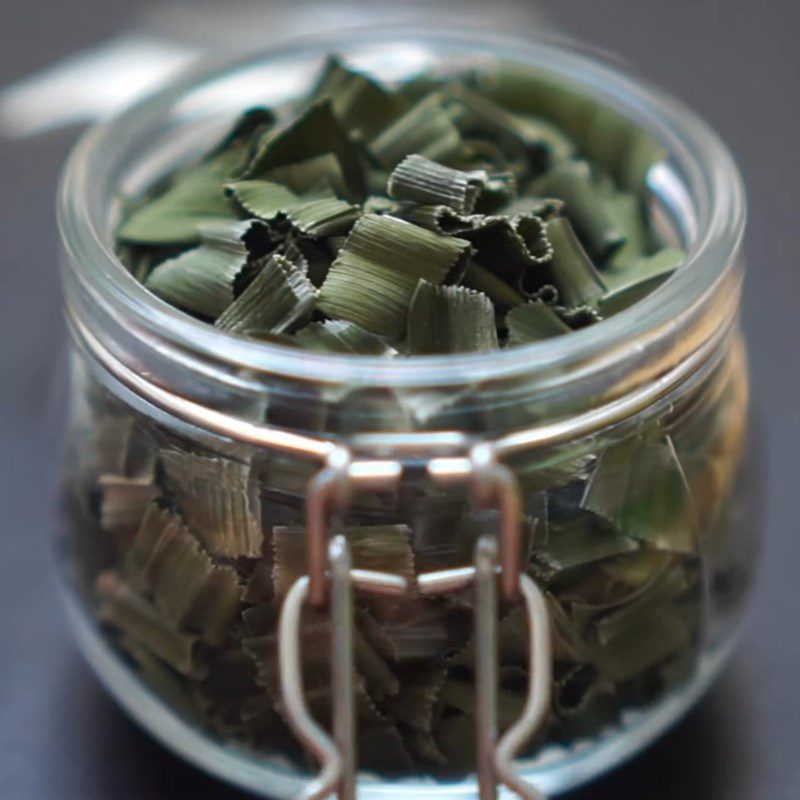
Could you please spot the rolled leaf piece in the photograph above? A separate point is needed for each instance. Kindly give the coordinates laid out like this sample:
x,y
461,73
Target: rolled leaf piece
x,y
202,280
196,194
320,214
533,322
362,105
425,129
315,132
570,269
450,319
419,180
374,277
277,298
217,500
585,205
336,336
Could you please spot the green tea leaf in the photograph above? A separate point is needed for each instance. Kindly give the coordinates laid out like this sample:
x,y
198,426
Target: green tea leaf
x,y
374,277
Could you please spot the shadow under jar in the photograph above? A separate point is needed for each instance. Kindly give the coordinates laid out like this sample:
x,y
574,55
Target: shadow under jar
x,y
191,453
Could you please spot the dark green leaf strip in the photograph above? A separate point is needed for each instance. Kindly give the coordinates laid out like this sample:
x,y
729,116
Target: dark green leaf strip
x,y
373,278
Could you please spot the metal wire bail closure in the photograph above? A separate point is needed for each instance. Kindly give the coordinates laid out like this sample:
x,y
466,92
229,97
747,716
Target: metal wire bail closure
x,y
338,755
332,578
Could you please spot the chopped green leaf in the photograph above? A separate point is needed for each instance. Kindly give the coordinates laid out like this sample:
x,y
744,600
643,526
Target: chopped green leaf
x,y
450,319
374,277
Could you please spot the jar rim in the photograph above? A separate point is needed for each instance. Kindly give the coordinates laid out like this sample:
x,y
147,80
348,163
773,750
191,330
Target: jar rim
x,y
703,159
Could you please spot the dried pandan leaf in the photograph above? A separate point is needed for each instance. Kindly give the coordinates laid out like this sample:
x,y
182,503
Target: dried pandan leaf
x,y
455,740
374,276
425,129
195,195
415,703
636,648
459,695
450,319
190,591
586,205
583,703
533,322
336,336
124,501
581,541
259,586
168,684
139,620
414,630
420,180
383,548
639,487
280,297
218,501
317,214
311,175
363,105
570,270
316,131
422,746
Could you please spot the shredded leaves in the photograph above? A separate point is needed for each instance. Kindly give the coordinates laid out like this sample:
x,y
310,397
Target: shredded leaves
x,y
466,212
367,188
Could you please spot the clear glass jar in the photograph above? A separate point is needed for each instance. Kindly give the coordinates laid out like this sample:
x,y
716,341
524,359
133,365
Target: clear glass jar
x,y
628,440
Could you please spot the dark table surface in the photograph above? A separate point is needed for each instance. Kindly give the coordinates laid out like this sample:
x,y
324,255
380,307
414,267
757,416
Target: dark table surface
x,y
61,737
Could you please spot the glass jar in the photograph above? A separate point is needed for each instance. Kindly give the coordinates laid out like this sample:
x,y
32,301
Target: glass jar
x,y
191,454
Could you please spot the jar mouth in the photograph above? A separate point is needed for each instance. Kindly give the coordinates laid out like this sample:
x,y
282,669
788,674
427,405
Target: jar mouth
x,y
702,180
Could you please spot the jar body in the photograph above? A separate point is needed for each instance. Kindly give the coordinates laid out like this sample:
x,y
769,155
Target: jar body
x,y
182,546
191,452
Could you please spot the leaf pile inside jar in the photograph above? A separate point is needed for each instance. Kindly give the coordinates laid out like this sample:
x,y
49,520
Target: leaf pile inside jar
x,y
369,187
448,214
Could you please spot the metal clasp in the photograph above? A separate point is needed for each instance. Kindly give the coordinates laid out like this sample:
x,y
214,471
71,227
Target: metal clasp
x,y
336,756
331,578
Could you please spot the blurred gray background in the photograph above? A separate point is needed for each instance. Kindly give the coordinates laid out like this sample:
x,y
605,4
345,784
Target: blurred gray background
x,y
60,737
